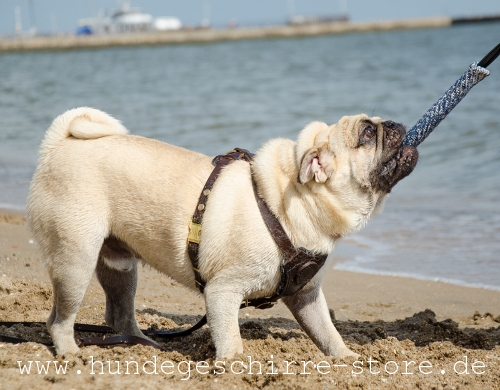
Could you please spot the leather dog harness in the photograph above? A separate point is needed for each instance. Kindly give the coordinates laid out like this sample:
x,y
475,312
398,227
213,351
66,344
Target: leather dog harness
x,y
299,265
297,269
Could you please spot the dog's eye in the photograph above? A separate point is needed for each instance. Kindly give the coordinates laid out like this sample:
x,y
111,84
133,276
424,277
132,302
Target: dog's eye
x,y
369,133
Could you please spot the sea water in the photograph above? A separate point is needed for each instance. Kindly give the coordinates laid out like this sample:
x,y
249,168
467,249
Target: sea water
x,y
442,222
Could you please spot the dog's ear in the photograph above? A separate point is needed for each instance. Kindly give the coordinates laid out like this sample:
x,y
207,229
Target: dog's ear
x,y
314,158
316,163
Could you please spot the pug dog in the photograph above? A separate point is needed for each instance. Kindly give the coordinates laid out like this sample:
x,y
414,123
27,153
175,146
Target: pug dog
x,y
102,200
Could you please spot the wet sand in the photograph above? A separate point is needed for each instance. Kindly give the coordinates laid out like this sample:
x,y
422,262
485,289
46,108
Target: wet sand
x,y
409,334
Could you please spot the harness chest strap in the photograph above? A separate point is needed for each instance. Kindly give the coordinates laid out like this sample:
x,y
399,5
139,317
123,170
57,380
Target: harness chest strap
x,y
195,224
299,265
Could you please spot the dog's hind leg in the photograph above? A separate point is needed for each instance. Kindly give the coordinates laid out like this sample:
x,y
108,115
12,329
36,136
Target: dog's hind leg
x,y
118,278
117,273
70,271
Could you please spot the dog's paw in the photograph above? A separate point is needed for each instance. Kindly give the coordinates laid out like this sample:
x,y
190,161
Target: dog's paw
x,y
229,351
344,353
349,353
67,350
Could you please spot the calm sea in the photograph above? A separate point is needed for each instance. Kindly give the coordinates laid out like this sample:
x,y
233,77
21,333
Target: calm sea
x,y
442,222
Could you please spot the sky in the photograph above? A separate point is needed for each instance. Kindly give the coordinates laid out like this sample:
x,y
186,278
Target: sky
x,y
62,15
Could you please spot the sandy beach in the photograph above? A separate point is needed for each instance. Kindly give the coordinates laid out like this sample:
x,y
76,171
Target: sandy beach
x,y
409,333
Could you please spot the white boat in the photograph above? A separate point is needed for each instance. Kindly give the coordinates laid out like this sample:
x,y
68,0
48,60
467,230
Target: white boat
x,y
126,19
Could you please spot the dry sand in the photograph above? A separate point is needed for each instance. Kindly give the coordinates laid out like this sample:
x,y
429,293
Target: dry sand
x,y
417,334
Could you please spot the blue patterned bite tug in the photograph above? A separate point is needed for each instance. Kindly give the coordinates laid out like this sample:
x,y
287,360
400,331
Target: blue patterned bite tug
x,y
433,117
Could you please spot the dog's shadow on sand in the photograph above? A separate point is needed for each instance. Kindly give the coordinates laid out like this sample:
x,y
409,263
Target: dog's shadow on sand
x,y
422,329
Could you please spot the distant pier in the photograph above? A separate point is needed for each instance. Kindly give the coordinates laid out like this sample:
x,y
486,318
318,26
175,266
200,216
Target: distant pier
x,y
476,19
73,42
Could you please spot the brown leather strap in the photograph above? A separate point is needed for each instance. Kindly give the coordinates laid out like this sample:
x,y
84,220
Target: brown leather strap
x,y
177,333
117,340
273,225
196,222
195,226
108,341
299,265
15,340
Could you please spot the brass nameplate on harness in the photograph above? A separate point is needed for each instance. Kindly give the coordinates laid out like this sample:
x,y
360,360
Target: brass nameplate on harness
x,y
194,232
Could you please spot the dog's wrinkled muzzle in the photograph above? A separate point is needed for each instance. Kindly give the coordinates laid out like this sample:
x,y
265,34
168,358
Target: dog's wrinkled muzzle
x,y
399,161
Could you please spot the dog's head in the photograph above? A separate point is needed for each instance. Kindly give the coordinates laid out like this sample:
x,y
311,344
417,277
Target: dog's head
x,y
356,154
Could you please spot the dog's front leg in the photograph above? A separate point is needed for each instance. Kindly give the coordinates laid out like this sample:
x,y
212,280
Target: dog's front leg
x,y
223,304
309,308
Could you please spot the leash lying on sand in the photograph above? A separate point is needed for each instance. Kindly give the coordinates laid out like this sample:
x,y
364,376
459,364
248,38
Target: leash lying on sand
x,y
415,136
108,341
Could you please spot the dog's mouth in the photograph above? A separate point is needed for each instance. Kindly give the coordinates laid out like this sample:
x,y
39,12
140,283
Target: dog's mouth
x,y
390,172
398,160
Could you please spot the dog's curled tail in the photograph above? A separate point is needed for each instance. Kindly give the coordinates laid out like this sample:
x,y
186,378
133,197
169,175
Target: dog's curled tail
x,y
82,123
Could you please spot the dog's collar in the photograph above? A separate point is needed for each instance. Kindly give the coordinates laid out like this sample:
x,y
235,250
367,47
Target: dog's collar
x,y
299,265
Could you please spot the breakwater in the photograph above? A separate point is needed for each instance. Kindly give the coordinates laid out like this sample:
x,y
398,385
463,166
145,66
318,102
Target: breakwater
x,y
73,42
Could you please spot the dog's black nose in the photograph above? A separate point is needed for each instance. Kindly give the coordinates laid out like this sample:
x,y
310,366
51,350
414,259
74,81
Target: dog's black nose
x,y
391,126
393,134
